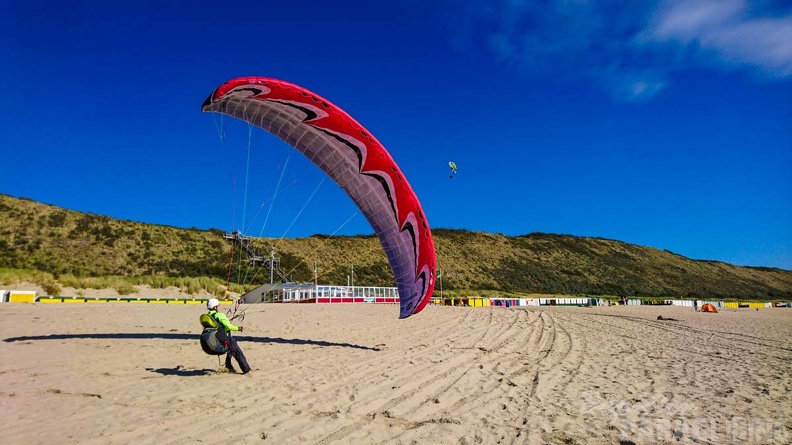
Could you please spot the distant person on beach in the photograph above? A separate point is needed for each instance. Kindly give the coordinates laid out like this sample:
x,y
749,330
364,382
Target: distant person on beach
x,y
695,305
224,328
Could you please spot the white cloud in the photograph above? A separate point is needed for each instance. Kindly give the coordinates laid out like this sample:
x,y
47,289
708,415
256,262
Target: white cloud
x,y
631,48
728,31
685,20
632,85
642,89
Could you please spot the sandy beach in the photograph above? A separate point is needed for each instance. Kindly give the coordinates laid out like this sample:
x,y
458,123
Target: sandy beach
x,y
95,373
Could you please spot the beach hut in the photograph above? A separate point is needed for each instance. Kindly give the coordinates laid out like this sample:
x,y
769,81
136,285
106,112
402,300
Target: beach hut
x,y
22,296
708,308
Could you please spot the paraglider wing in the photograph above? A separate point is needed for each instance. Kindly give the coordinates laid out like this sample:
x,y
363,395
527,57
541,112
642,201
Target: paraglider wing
x,y
452,164
355,160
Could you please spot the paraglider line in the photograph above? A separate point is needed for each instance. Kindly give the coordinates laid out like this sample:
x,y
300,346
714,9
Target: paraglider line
x,y
219,127
303,207
247,172
350,259
275,195
294,181
310,254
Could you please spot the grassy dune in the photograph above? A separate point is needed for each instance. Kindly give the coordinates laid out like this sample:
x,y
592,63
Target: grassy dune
x,y
58,247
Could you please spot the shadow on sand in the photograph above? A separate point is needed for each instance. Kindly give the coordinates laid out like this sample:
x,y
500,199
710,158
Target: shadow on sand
x,y
182,372
176,336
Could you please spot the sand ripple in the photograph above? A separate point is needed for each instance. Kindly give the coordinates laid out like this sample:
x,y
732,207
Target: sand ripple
x,y
123,373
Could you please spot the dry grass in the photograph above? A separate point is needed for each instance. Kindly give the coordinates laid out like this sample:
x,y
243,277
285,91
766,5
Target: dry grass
x,y
76,248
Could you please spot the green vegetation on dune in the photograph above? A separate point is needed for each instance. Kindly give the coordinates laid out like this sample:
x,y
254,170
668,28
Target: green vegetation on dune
x,y
122,285
57,247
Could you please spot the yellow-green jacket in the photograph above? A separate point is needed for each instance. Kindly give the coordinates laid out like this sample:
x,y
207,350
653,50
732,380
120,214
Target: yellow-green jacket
x,y
223,320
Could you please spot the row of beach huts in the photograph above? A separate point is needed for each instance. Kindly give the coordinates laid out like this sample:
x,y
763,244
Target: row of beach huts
x,y
16,296
518,302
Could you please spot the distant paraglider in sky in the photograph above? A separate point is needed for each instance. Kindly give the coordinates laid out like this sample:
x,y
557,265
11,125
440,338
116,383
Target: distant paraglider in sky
x,y
355,160
453,166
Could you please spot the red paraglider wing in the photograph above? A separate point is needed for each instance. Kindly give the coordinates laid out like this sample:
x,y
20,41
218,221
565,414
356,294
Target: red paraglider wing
x,y
355,160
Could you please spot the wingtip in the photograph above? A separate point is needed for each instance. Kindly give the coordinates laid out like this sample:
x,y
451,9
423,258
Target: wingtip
x,y
208,101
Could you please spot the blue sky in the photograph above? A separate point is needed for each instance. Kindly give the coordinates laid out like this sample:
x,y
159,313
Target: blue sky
x,y
664,123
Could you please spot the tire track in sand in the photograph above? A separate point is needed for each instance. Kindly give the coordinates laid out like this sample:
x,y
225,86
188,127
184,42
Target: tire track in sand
x,y
454,377
444,373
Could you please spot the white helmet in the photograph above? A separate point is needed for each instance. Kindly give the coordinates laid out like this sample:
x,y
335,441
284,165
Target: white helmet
x,y
213,302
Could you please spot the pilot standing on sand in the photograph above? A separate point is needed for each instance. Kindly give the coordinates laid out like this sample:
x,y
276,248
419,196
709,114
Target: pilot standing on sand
x,y
224,328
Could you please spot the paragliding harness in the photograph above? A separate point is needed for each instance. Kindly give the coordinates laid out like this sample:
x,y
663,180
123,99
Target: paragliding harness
x,y
214,339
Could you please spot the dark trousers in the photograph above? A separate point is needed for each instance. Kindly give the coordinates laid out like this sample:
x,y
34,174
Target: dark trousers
x,y
234,351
